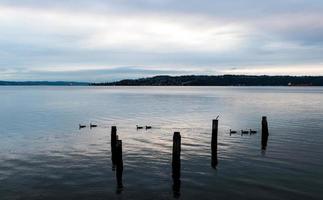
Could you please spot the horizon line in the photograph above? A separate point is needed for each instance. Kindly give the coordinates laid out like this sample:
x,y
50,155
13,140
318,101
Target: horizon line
x,y
136,78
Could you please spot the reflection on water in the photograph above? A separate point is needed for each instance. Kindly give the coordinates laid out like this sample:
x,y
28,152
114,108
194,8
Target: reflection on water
x,y
176,164
44,154
119,166
176,188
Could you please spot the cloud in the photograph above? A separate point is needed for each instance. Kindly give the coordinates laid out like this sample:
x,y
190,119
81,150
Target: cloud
x,y
210,36
120,32
305,70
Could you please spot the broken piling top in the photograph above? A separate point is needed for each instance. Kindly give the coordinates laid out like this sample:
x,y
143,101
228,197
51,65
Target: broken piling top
x,y
264,126
264,121
176,142
215,124
113,135
113,130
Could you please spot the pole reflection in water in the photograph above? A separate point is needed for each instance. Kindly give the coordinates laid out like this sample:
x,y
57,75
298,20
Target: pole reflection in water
x,y
176,164
119,166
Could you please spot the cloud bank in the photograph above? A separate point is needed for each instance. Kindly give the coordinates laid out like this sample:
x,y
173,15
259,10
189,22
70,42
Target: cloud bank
x,y
109,40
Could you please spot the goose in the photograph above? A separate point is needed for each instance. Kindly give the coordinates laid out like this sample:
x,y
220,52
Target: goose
x,y
93,125
81,126
232,132
244,132
148,127
139,127
253,131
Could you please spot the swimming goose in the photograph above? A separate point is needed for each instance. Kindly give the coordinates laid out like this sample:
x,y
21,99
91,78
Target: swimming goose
x,y
232,132
139,127
244,132
93,125
148,127
81,126
253,131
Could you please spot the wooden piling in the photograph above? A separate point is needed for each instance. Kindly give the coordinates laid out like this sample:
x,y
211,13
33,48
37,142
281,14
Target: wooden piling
x,y
176,160
265,133
119,164
113,144
214,143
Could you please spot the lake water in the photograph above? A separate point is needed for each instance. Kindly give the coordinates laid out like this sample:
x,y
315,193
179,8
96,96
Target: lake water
x,y
44,155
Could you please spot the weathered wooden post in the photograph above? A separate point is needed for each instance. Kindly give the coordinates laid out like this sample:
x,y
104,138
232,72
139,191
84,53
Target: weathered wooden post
x,y
176,163
265,133
214,143
113,145
119,164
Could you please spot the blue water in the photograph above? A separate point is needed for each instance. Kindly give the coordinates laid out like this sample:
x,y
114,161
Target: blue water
x,y
44,155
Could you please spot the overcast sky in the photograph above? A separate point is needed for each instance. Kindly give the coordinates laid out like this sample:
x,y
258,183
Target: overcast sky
x,y
104,40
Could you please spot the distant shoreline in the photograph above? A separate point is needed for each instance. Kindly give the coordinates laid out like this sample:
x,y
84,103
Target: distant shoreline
x,y
221,80
189,80
43,83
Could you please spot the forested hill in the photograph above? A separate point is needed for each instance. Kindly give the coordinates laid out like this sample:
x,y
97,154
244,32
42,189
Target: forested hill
x,y
223,80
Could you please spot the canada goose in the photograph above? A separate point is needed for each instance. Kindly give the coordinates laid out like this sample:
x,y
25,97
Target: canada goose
x,y
253,131
81,126
93,125
232,132
244,132
139,127
148,127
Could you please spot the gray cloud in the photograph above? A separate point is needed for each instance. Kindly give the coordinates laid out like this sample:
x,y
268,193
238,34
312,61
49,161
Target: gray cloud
x,y
69,39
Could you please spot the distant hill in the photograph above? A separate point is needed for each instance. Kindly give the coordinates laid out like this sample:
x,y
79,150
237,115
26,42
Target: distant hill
x,y
44,83
222,80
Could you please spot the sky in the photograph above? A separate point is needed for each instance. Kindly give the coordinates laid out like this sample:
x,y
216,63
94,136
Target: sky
x,y
108,40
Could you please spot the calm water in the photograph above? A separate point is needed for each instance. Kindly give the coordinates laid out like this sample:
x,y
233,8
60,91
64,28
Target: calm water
x,y
43,154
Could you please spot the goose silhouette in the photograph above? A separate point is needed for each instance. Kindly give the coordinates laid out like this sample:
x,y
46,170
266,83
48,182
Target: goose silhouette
x,y
139,127
81,126
93,125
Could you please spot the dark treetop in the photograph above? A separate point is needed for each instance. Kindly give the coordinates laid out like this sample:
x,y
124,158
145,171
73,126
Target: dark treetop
x,y
223,80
